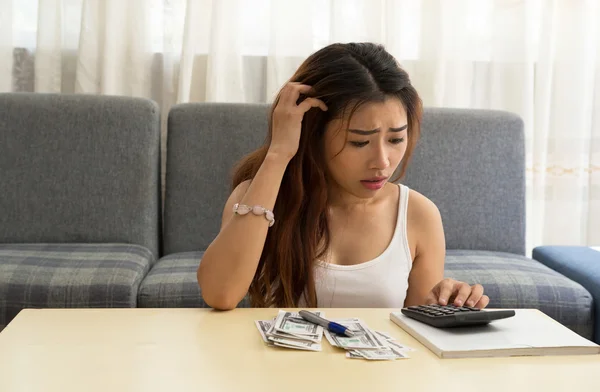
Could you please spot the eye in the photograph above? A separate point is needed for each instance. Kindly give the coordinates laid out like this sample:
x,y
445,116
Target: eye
x,y
359,144
397,141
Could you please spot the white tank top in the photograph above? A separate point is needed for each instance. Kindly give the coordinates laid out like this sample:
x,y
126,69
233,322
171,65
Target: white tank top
x,y
378,283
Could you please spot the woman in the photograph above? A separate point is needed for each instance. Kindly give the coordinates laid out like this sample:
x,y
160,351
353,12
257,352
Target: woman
x,y
315,218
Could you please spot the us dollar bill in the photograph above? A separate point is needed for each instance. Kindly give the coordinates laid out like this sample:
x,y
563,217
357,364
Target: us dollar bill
x,y
290,330
380,354
291,323
363,339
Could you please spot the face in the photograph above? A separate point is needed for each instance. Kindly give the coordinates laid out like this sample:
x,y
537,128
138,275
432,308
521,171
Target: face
x,y
372,144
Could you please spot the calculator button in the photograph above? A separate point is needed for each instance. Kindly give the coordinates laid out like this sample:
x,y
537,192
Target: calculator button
x,y
472,308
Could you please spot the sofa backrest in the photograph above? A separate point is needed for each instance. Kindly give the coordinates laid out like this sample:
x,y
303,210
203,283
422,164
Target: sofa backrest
x,y
204,141
470,163
79,168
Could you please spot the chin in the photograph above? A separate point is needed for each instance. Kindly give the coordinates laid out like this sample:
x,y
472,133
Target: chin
x,y
358,190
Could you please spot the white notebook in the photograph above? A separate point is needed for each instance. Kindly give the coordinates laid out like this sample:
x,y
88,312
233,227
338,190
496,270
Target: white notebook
x,y
528,332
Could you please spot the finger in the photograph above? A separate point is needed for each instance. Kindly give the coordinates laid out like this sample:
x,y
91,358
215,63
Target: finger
x,y
483,302
430,299
309,103
291,92
476,294
445,291
463,293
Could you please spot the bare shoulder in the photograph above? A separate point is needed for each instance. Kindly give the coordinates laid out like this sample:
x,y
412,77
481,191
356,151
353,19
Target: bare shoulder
x,y
424,219
237,195
420,207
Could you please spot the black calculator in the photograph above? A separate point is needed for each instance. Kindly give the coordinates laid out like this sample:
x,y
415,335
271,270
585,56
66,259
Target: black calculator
x,y
447,316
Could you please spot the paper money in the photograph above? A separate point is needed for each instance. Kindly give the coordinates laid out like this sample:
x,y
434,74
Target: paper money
x,y
354,354
391,342
290,330
401,347
300,344
363,339
368,344
384,335
263,327
293,324
380,354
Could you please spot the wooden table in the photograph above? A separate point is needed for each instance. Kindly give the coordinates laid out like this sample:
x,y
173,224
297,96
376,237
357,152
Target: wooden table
x,y
109,350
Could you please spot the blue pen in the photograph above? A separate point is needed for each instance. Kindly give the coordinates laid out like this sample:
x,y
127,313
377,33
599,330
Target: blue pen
x,y
329,325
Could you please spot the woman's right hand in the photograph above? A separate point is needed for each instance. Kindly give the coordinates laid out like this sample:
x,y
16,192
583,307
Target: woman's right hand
x,y
287,119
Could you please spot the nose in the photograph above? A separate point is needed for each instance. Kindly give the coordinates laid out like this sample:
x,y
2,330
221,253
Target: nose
x,y
380,159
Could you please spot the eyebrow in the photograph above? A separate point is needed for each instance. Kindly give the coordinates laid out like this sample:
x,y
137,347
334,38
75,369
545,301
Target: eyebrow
x,y
365,133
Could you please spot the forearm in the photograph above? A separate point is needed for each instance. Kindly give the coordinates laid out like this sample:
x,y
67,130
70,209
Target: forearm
x,y
230,262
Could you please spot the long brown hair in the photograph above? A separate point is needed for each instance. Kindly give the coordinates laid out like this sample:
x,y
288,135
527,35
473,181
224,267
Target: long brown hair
x,y
343,76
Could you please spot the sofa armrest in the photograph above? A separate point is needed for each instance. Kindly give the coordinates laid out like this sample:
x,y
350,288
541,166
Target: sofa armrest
x,y
580,264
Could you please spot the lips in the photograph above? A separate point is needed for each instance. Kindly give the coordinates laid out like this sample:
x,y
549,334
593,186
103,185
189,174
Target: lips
x,y
375,179
374,183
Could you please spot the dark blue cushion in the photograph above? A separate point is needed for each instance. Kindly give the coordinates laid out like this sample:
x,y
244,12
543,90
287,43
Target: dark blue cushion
x,y
579,263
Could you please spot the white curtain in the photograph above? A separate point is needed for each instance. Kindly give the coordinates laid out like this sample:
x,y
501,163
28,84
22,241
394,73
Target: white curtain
x,y
537,58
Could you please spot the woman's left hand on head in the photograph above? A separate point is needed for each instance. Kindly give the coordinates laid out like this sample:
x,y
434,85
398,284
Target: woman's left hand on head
x,y
453,292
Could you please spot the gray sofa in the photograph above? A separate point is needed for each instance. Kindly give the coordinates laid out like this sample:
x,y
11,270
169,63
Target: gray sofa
x,y
79,202
469,162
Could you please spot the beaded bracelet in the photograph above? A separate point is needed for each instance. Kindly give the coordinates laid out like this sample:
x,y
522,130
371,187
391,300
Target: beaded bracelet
x,y
243,209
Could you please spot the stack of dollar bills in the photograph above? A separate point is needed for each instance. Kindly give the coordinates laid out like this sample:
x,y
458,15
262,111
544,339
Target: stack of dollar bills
x,y
289,330
292,331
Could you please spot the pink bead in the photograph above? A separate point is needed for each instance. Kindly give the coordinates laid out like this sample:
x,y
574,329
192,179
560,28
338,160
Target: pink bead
x,y
243,209
257,210
270,215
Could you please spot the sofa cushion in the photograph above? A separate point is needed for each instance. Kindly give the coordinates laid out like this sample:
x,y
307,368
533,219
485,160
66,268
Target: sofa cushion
x,y
579,263
513,281
70,276
172,283
79,168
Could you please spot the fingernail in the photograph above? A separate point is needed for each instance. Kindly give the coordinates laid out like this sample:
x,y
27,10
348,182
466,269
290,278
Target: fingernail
x,y
459,302
443,301
470,303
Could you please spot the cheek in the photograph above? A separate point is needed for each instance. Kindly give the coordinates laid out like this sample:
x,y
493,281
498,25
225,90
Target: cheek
x,y
400,153
345,165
